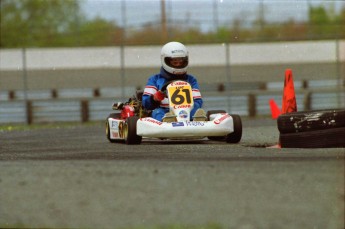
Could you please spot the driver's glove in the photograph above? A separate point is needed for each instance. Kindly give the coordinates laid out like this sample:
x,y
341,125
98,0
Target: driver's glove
x,y
158,96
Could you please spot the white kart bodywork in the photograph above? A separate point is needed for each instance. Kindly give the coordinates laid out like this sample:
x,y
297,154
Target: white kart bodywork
x,y
220,126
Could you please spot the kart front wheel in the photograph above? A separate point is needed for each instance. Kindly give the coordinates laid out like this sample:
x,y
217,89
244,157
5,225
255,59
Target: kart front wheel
x,y
235,137
130,131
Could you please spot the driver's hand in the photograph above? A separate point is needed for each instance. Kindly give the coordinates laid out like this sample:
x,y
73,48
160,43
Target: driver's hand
x,y
158,96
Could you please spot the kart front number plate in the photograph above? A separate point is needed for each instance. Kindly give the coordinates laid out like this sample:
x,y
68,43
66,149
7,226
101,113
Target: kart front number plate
x,y
180,95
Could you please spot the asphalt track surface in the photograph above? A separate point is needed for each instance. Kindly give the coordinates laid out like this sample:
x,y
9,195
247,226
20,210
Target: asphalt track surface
x,y
74,178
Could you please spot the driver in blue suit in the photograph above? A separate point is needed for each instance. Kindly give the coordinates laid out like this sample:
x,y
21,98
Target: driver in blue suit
x,y
174,59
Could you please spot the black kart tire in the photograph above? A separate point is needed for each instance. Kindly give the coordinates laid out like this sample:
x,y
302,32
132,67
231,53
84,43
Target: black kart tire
x,y
310,120
235,137
107,127
130,131
327,138
215,138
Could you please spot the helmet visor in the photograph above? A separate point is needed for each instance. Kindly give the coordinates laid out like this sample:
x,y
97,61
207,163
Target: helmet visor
x,y
176,62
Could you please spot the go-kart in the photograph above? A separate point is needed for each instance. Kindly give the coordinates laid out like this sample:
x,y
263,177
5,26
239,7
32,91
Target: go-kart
x,y
134,122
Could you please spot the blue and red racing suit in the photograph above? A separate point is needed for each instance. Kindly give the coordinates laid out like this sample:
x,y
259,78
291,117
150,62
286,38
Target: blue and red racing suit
x,y
156,82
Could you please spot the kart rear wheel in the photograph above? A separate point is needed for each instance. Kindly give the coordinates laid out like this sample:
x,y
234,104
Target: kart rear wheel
x,y
235,137
107,127
208,114
130,131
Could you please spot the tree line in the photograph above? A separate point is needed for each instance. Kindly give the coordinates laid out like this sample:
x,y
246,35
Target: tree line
x,y
55,23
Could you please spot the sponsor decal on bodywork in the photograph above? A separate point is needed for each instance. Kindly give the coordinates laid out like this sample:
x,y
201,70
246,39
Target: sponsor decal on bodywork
x,y
179,83
151,120
183,114
177,124
114,124
181,106
195,123
187,123
221,119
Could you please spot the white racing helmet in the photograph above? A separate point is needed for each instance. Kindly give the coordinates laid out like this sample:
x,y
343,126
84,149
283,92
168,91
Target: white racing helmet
x,y
171,51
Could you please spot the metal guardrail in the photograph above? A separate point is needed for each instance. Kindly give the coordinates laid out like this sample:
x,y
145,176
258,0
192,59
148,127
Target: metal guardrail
x,y
89,93
70,93
256,103
250,104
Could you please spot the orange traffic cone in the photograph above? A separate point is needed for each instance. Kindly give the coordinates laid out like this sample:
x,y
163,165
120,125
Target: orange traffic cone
x,y
275,111
289,98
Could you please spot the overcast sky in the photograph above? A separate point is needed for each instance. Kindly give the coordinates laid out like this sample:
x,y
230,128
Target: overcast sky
x,y
205,13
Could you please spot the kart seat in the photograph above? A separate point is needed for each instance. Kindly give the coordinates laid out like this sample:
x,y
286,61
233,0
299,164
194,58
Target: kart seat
x,y
139,94
139,97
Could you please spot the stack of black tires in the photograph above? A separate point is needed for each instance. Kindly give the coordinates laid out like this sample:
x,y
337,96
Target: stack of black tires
x,y
312,129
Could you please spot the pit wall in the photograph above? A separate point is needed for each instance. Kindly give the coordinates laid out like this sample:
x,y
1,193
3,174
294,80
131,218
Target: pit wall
x,y
106,67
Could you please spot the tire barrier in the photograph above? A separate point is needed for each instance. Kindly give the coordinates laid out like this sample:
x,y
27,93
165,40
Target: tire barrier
x,y
328,138
312,129
312,120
